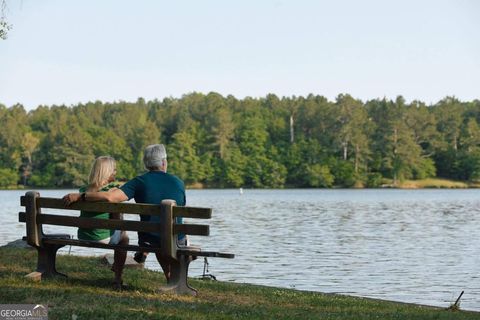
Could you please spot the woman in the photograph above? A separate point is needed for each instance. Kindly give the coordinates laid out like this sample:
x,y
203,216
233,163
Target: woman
x,y
101,179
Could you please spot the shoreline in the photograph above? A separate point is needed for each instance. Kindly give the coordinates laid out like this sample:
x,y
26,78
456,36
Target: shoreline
x,y
431,183
21,245
216,300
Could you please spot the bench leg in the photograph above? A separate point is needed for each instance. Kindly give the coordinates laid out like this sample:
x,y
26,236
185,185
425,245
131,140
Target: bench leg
x,y
47,256
178,282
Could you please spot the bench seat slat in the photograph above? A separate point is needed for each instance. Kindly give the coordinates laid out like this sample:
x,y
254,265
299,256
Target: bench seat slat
x,y
213,254
188,251
84,243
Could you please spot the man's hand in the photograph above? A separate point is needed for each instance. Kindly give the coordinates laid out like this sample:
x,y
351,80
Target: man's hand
x,y
116,195
71,198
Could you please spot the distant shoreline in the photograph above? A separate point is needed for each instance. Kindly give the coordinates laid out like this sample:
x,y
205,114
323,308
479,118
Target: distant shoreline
x,y
430,183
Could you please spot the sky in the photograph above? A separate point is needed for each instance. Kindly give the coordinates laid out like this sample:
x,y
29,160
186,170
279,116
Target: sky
x,y
69,52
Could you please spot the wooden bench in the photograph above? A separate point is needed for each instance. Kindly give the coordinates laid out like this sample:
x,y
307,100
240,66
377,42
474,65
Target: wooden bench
x,y
181,256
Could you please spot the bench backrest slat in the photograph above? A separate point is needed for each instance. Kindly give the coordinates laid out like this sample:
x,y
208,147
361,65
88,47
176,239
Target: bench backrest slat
x,y
192,229
92,223
130,208
138,226
192,212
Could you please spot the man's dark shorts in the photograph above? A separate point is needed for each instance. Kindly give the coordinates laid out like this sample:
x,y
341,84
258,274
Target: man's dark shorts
x,y
148,240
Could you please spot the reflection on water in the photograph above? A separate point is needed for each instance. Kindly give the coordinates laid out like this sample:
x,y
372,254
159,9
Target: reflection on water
x,y
418,246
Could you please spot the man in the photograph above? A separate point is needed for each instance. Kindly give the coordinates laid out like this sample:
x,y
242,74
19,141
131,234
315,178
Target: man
x,y
152,187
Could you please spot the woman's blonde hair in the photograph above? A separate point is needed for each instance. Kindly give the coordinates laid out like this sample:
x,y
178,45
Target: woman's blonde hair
x,y
102,168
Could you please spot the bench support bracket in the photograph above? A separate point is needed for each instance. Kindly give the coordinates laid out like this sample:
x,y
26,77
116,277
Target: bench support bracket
x,y
47,256
178,282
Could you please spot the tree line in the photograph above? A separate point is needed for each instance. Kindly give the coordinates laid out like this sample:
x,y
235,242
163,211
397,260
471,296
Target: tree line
x,y
267,142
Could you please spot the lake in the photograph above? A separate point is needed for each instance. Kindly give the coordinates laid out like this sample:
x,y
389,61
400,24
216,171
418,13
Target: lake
x,y
419,246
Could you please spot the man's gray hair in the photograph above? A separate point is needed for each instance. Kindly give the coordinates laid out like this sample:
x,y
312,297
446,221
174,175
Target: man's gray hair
x,y
154,155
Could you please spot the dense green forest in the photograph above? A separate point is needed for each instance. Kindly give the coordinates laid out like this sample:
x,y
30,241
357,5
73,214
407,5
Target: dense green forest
x,y
218,141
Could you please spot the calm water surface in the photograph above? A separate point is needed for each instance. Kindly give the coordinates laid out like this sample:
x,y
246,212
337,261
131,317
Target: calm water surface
x,y
420,246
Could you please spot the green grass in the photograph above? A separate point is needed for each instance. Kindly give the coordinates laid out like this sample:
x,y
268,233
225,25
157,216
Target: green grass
x,y
87,294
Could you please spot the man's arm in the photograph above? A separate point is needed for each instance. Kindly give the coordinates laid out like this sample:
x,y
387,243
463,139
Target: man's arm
x,y
116,195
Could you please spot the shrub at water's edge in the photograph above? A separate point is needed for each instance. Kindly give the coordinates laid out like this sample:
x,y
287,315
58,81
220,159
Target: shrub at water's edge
x,y
8,179
87,294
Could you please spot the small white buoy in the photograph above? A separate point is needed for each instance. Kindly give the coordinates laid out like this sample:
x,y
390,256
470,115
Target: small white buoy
x,y
241,190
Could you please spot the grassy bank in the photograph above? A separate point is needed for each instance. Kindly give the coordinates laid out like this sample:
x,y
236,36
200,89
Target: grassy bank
x,y
434,183
87,294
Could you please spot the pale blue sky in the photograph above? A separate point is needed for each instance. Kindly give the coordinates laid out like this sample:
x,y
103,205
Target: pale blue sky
x,y
65,52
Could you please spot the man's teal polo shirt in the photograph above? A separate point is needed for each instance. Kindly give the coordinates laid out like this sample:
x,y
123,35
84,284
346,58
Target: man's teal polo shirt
x,y
153,187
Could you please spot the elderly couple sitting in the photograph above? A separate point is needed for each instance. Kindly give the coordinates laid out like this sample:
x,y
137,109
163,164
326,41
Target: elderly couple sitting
x,y
152,187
